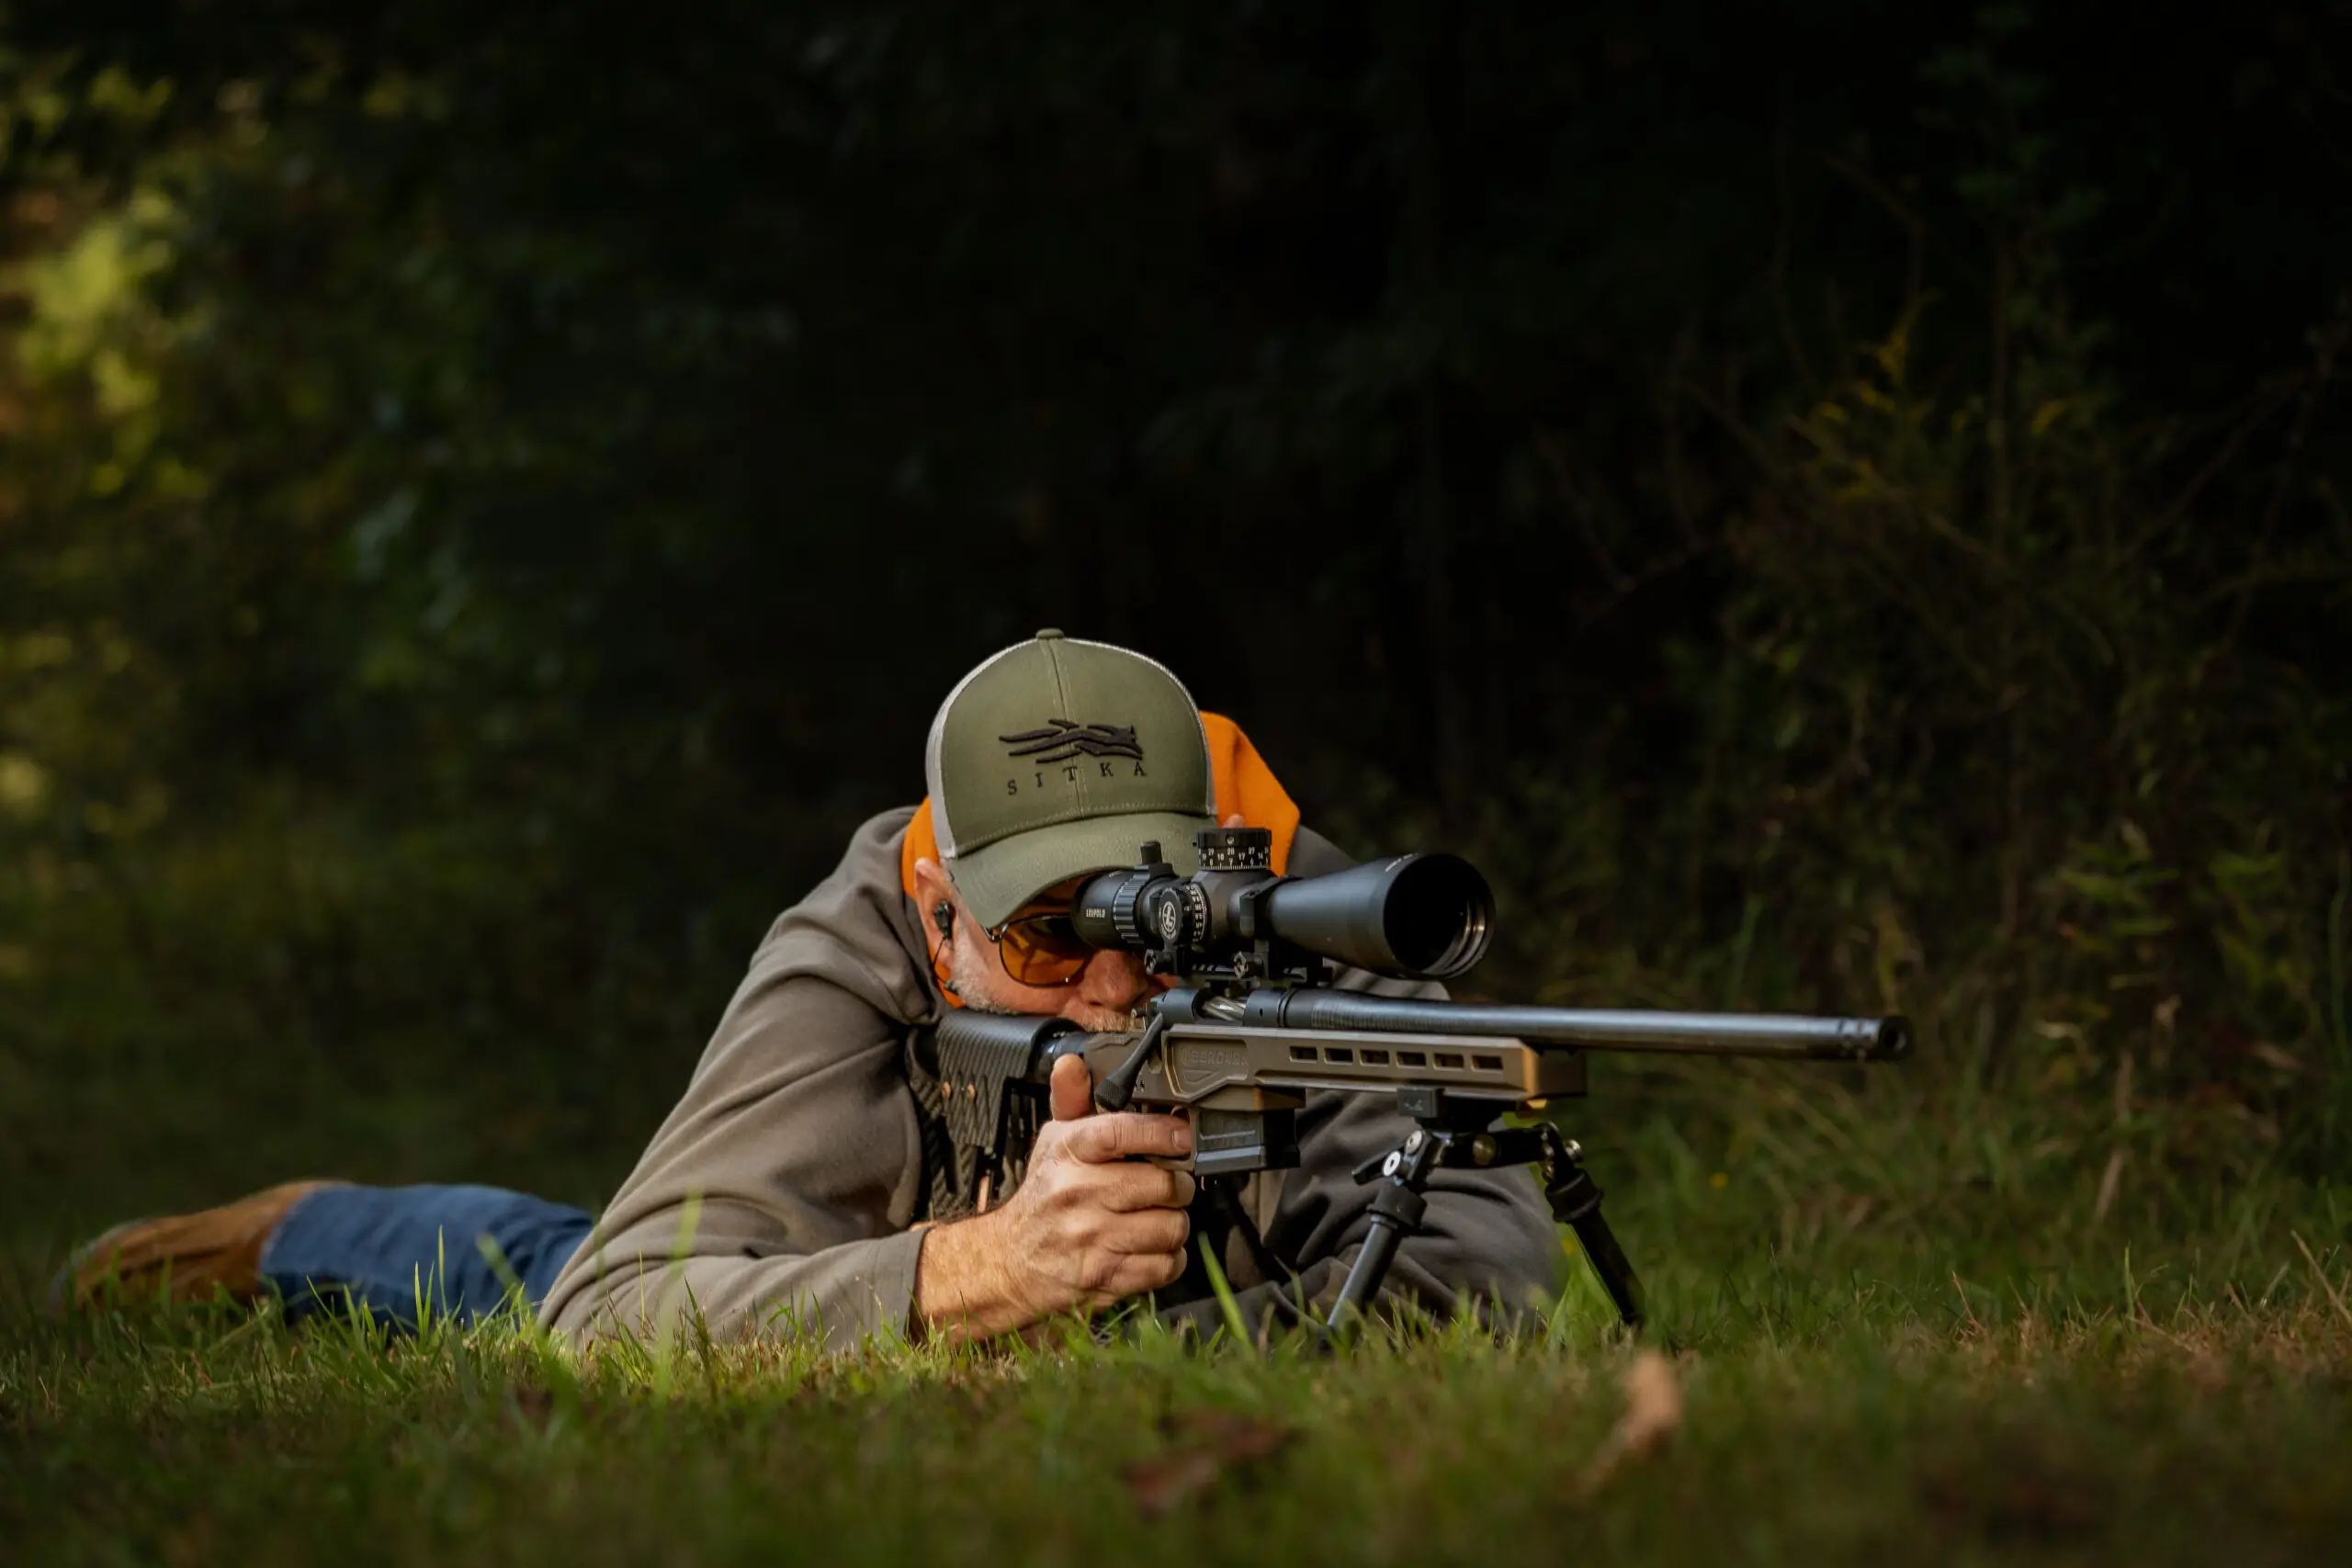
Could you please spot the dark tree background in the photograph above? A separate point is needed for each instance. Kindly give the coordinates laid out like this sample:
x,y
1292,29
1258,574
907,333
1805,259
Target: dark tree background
x,y
1835,505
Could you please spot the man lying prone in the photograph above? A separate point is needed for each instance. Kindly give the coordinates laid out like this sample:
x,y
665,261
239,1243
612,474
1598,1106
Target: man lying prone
x,y
806,1183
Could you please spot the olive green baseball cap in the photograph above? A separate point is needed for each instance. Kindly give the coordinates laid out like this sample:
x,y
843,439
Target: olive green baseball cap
x,y
1059,756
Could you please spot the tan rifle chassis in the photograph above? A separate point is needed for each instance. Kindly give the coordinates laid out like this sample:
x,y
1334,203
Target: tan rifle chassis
x,y
1236,1067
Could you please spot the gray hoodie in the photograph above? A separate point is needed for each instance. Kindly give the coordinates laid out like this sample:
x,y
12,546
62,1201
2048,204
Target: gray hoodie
x,y
786,1191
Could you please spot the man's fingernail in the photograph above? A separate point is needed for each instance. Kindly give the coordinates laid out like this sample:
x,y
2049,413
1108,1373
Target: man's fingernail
x,y
1183,1139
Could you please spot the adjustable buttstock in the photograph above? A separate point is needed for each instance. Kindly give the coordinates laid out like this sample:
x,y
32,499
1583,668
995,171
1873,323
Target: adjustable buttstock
x,y
988,1064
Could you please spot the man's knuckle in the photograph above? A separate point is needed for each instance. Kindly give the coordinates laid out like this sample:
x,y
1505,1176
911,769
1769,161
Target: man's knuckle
x,y
1126,1189
1150,1232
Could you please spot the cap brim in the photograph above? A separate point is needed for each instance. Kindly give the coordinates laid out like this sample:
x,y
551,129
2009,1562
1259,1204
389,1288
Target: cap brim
x,y
996,879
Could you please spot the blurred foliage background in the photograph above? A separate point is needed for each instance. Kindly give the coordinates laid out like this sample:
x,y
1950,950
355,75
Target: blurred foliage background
x,y
1836,506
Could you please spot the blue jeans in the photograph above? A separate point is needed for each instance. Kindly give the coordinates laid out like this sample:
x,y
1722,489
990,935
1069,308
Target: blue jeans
x,y
394,1251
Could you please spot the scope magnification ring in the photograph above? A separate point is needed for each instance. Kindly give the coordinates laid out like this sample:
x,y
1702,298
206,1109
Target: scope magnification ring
x,y
1127,918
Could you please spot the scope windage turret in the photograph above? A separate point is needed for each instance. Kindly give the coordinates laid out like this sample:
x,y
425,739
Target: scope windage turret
x,y
1420,917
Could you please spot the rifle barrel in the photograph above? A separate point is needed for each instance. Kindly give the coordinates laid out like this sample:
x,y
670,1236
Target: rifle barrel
x,y
1605,1029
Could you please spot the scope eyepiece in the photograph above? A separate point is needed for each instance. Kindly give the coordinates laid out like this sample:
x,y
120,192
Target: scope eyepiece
x,y
1419,917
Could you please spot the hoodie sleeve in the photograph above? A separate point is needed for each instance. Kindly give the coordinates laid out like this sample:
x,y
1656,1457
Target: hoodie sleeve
x,y
778,1195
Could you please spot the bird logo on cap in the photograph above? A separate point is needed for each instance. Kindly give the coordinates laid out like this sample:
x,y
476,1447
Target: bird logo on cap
x,y
1061,741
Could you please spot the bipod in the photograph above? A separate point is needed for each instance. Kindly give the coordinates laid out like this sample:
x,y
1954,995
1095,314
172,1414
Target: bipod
x,y
1450,1132
1575,1198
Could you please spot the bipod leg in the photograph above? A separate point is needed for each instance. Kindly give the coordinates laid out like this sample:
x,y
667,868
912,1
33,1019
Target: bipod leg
x,y
1576,1202
1396,1211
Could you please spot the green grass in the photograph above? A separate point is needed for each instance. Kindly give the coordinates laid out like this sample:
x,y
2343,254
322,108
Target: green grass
x,y
1881,1434
1926,1315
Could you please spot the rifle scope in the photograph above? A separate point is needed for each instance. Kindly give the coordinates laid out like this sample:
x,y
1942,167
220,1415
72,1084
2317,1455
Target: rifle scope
x,y
1419,917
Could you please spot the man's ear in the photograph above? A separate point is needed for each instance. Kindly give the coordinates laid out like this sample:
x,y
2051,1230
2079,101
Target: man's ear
x,y
936,906
932,887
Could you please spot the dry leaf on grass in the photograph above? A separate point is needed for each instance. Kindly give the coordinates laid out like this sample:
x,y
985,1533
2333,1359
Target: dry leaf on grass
x,y
530,1408
1159,1483
1214,1440
1653,1412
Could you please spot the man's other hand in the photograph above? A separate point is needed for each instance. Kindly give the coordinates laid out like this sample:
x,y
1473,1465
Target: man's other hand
x,y
1091,1225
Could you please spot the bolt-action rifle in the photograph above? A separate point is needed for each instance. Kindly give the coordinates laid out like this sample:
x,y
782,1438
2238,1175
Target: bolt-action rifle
x,y
1254,1025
